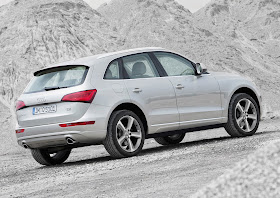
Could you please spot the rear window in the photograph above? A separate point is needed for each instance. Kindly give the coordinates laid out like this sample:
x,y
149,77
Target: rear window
x,y
57,78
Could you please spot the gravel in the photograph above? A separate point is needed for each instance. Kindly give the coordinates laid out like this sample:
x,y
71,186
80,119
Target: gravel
x,y
159,171
256,176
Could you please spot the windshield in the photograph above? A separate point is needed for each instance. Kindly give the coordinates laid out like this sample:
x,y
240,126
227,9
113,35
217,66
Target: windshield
x,y
57,78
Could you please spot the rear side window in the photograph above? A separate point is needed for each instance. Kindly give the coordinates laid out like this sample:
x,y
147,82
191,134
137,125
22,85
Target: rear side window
x,y
57,78
113,71
139,66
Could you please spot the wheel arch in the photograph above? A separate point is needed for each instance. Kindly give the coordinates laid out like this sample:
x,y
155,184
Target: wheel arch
x,y
232,127
136,109
248,91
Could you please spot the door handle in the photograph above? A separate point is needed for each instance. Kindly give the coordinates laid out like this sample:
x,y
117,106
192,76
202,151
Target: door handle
x,y
137,90
179,86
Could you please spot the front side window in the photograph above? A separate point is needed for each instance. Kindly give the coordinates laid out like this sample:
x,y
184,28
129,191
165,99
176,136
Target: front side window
x,y
57,78
139,66
175,65
113,71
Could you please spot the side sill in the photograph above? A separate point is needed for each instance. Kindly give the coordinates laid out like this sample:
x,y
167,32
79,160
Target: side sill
x,y
168,133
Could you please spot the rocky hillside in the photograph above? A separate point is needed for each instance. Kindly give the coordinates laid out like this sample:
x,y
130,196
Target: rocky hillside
x,y
146,22
163,23
250,24
252,27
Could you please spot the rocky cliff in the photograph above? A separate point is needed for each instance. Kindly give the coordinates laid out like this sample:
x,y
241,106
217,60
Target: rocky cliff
x,y
252,28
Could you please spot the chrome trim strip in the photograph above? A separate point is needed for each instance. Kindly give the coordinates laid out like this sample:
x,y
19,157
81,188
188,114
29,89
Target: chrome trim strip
x,y
48,135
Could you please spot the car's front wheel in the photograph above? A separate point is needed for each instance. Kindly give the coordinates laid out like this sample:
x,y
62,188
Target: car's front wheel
x,y
44,157
243,116
172,139
125,134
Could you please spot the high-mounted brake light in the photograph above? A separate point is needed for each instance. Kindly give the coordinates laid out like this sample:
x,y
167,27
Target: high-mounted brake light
x,y
19,105
82,96
76,124
20,131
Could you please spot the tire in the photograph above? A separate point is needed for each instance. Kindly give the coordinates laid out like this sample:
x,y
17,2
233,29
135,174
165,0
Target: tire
x,y
172,139
125,134
42,156
243,116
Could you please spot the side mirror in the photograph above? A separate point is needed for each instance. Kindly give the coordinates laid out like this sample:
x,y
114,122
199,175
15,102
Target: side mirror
x,y
198,69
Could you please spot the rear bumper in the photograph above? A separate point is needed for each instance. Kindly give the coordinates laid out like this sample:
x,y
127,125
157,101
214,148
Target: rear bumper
x,y
54,136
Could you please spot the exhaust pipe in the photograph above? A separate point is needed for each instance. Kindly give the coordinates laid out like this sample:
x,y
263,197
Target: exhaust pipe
x,y
25,145
70,141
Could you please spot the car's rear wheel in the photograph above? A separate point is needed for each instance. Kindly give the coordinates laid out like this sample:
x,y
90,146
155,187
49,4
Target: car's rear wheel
x,y
172,139
125,134
44,157
243,116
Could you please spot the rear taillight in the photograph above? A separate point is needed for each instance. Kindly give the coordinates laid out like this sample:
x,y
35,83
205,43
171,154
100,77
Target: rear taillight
x,y
82,96
76,124
19,105
20,131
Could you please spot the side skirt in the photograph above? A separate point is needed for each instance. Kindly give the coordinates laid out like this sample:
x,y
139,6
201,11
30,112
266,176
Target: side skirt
x,y
168,133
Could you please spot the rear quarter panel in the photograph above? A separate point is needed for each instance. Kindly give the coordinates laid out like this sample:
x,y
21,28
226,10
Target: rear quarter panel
x,y
110,94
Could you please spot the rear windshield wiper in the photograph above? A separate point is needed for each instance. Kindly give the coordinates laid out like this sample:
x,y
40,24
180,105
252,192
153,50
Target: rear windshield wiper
x,y
53,88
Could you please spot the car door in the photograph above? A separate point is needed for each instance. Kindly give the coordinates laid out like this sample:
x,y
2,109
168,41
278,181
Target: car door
x,y
153,94
198,96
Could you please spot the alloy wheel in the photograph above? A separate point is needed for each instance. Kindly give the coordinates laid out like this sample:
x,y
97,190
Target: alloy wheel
x,y
246,115
129,134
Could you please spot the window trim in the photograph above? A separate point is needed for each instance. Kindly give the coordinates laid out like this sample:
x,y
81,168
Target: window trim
x,y
159,68
158,65
158,62
124,73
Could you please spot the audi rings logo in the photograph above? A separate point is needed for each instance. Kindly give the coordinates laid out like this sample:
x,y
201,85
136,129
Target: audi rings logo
x,y
41,100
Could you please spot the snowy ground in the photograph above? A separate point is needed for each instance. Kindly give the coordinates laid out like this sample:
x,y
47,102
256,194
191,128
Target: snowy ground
x,y
170,171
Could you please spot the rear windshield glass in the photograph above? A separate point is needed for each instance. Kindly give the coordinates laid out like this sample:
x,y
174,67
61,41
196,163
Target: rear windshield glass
x,y
57,78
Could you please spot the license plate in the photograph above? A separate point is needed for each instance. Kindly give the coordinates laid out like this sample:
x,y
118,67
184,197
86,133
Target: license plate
x,y
44,109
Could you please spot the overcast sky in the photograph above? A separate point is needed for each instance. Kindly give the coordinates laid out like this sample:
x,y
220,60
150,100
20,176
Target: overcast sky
x,y
192,5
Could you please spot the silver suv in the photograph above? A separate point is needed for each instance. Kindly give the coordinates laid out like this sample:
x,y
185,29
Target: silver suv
x,y
120,99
